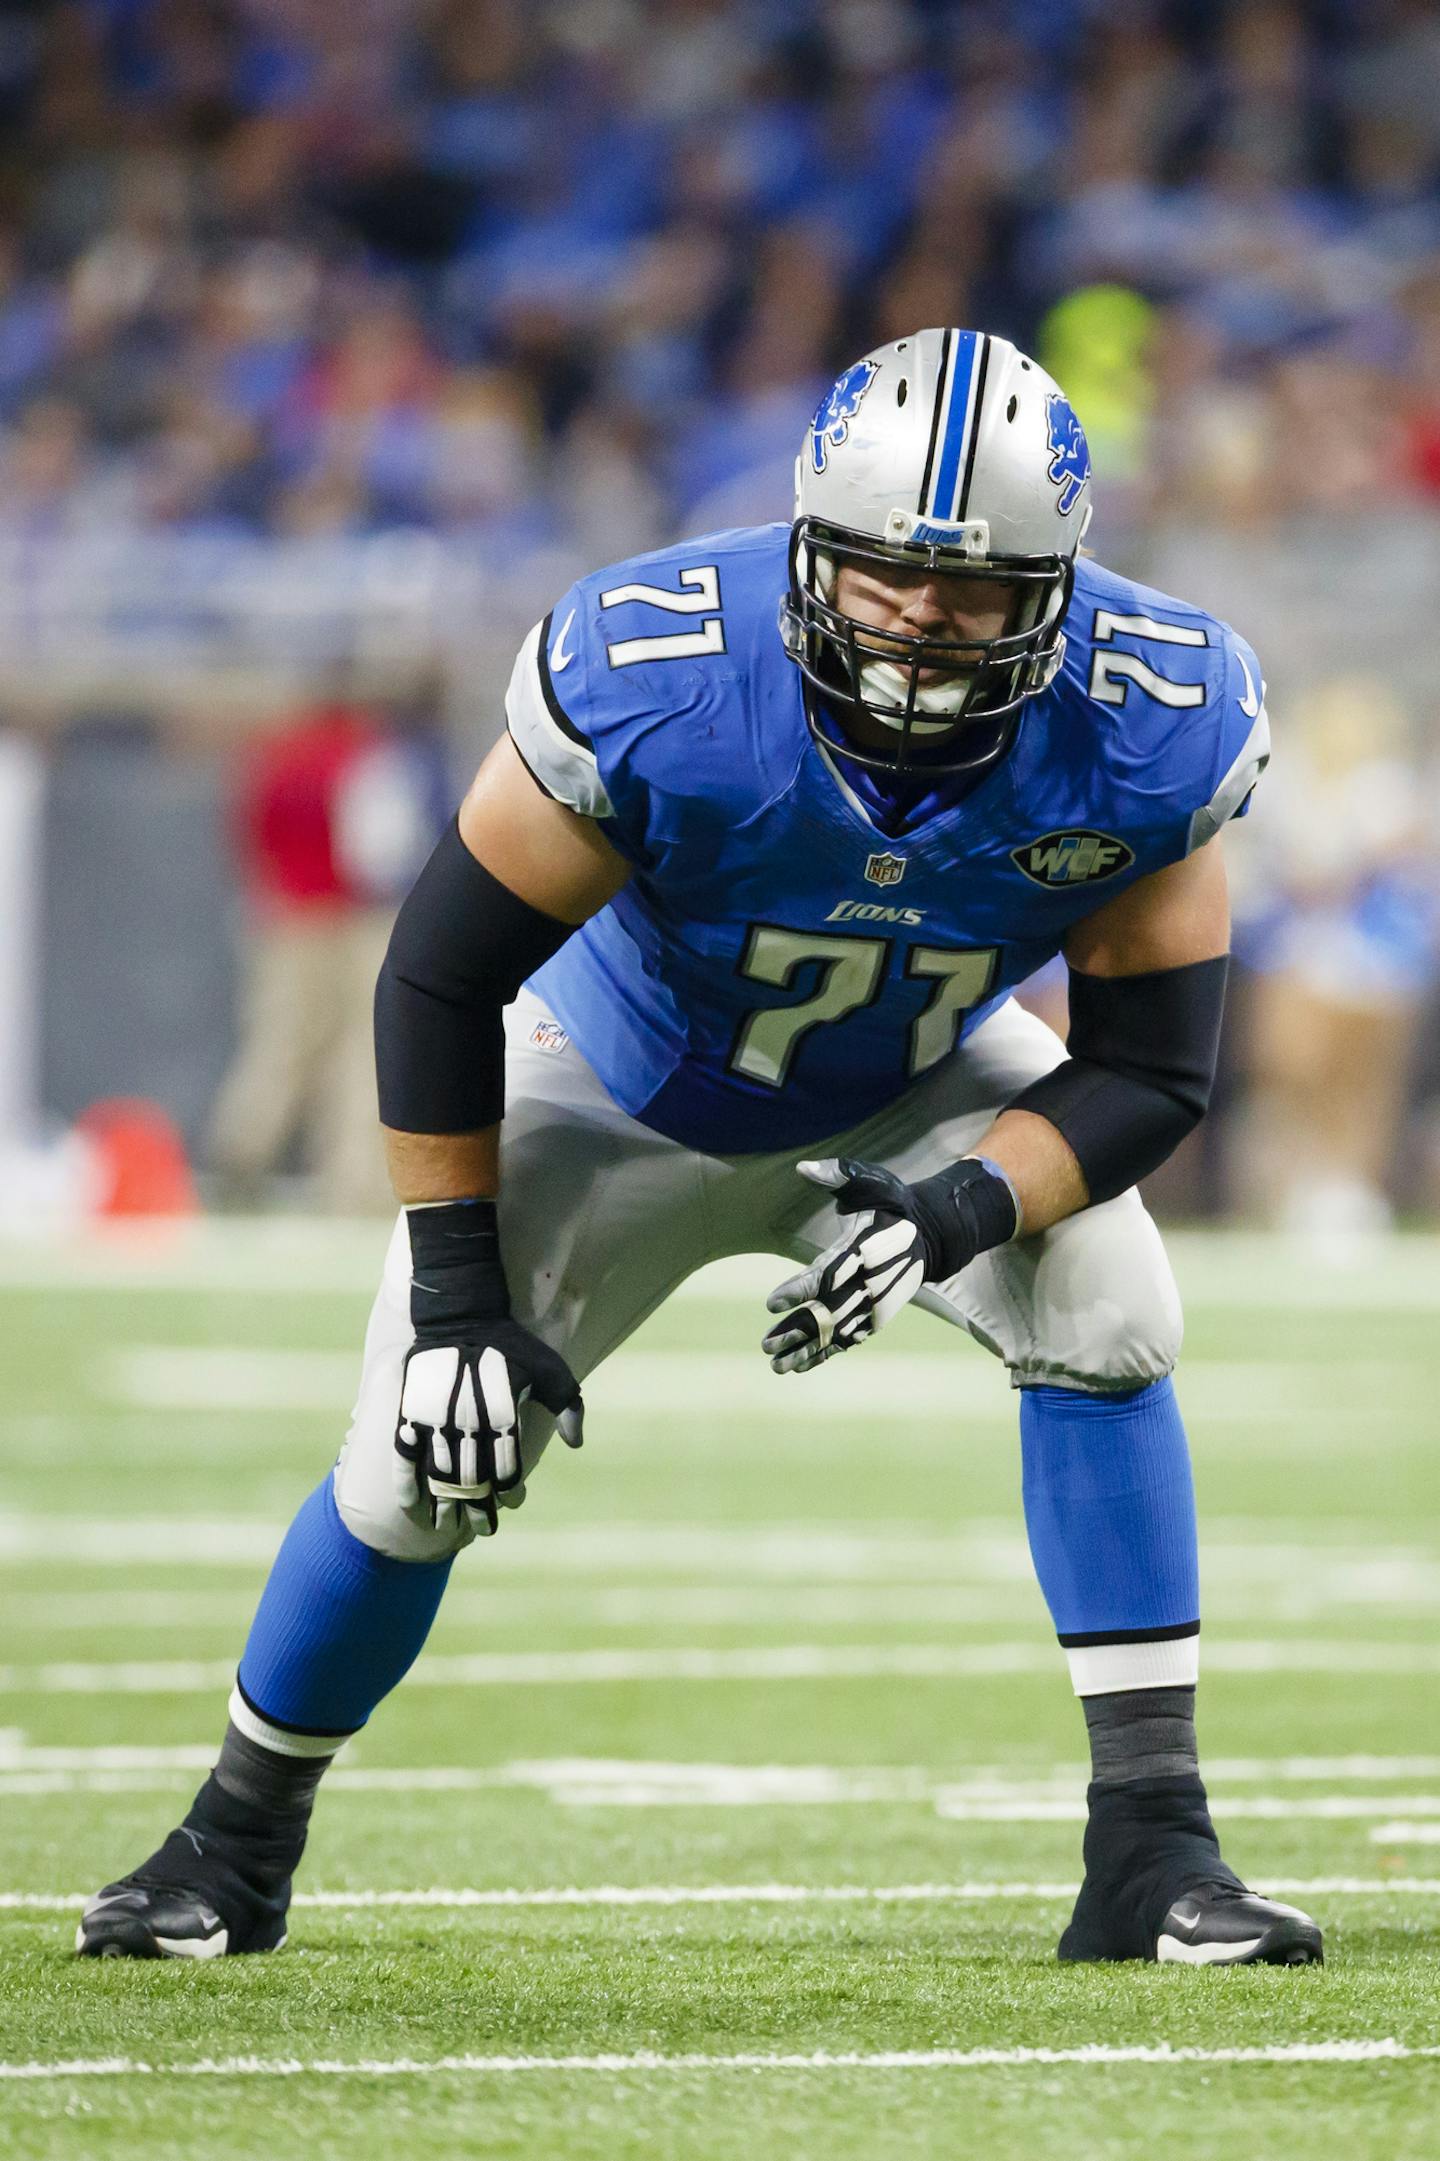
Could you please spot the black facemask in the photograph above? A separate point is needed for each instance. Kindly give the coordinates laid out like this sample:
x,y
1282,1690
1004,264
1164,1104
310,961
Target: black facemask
x,y
832,649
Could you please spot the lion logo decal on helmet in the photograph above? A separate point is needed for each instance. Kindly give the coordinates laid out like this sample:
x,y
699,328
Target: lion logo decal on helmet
x,y
838,407
1069,466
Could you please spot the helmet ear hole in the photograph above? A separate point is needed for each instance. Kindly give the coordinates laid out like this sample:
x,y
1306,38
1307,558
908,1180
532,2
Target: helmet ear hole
x,y
1012,408
902,391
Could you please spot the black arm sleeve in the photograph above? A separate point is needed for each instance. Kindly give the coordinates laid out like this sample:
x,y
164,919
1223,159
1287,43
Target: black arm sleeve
x,y
1140,1070
462,945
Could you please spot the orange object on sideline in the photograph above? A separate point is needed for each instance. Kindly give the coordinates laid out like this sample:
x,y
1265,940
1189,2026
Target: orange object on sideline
x,y
142,1168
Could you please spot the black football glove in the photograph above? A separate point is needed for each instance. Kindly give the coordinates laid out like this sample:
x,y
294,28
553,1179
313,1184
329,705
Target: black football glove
x,y
908,1235
469,1370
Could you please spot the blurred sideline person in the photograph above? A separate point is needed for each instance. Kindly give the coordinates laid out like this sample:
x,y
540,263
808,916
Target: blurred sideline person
x,y
782,818
1341,932
336,813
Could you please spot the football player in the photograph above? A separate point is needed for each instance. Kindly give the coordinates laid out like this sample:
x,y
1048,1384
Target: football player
x,y
727,927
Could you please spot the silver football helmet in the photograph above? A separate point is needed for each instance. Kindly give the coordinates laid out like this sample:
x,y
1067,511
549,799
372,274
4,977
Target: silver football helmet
x,y
953,452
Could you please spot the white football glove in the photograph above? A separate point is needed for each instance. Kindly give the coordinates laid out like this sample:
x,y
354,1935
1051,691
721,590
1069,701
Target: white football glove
x,y
468,1372
903,1236
856,1286
457,1444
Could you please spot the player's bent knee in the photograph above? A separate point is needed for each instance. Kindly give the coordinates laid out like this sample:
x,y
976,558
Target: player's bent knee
x,y
1104,1310
1133,1325
366,1492
1132,1346
383,1525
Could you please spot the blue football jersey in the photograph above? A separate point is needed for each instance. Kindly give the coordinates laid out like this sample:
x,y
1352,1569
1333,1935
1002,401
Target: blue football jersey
x,y
777,969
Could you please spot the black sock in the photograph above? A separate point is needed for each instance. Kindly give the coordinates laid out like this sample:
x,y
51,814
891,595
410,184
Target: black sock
x,y
275,1788
1141,1733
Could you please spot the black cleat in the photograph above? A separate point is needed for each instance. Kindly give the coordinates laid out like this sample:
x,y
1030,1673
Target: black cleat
x,y
206,1893
1156,1888
1217,1925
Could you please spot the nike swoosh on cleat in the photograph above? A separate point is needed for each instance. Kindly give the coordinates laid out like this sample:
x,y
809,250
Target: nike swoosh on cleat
x,y
1171,1951
194,1946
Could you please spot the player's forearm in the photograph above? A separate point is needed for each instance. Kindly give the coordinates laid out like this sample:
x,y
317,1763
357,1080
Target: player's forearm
x,y
462,945
443,1166
1044,1176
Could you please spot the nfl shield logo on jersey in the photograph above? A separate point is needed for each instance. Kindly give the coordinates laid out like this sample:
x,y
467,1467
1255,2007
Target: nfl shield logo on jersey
x,y
884,869
1078,857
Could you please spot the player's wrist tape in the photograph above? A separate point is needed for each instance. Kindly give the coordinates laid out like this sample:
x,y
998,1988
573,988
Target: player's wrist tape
x,y
462,945
1141,1066
961,1211
457,1277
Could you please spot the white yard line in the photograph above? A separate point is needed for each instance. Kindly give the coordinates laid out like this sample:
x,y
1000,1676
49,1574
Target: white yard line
x,y
1405,1834
719,1605
16,1754
676,1386
591,1666
726,1605
1259,1807
19,1753
1156,2054
27,1770
783,1553
980,1891
284,1255
988,1797
134,1541
1408,1593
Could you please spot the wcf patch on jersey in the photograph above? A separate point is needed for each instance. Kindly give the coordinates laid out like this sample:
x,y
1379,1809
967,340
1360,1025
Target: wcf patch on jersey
x,y
548,1035
1078,857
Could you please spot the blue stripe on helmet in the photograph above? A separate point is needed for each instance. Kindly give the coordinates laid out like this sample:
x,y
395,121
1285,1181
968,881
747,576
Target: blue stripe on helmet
x,y
952,450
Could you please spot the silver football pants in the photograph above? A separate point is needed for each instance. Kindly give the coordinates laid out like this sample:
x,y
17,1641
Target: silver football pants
x,y
601,1219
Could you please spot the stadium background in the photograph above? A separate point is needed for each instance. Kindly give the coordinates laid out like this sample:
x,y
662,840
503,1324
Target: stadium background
x,y
334,340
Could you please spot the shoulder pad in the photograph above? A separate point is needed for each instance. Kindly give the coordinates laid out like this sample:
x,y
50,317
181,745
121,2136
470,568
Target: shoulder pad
x,y
1243,746
553,744
627,651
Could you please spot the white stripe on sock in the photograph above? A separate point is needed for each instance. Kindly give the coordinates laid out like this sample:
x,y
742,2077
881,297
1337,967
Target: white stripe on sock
x,y
1105,1669
279,1738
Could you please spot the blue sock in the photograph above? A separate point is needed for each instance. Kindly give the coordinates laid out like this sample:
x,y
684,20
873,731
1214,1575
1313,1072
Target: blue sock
x,y
337,1626
1110,1512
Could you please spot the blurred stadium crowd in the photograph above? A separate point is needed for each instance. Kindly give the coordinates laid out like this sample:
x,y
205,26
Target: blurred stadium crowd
x,y
520,271
342,337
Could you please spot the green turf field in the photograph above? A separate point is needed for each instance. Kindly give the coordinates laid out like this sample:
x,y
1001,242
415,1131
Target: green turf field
x,y
733,1808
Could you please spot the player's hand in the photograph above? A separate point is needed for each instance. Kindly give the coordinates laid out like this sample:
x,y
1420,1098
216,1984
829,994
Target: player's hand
x,y
860,1282
469,1371
457,1443
907,1235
